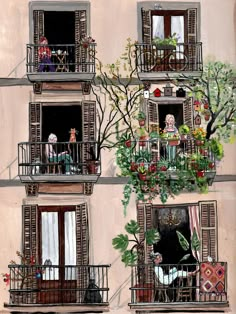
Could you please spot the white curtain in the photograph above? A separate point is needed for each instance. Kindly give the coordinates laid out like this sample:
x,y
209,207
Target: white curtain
x,y
194,224
70,245
50,244
158,26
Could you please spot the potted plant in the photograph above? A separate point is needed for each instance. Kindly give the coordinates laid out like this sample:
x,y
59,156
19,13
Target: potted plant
x,y
141,117
86,41
199,134
143,136
132,249
93,163
173,140
216,148
166,43
184,130
142,172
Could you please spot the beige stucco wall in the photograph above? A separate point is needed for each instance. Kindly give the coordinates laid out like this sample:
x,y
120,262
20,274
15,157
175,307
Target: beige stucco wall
x,y
106,221
111,23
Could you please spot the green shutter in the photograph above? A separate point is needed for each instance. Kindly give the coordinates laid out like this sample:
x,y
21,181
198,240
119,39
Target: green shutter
x,y
208,220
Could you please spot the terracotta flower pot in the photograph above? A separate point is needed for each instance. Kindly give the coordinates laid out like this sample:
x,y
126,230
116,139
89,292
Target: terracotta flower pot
x,y
142,176
183,137
199,142
142,141
141,122
92,166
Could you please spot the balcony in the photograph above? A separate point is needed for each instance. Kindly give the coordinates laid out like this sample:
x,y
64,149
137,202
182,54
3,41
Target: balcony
x,y
69,162
67,63
152,290
174,157
76,288
156,63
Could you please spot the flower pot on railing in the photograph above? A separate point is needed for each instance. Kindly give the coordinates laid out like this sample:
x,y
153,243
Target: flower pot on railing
x,y
199,142
144,292
142,141
142,176
92,166
174,142
183,137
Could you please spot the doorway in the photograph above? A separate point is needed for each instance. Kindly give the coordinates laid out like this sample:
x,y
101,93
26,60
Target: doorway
x,y
175,109
57,254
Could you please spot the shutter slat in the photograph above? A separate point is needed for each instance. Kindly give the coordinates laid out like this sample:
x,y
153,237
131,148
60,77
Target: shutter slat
x,y
188,120
82,249
208,216
38,16
35,130
146,26
153,121
30,237
80,32
192,38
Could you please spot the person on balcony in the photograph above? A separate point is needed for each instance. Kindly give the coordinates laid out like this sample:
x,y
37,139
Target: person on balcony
x,y
167,279
172,133
44,54
61,157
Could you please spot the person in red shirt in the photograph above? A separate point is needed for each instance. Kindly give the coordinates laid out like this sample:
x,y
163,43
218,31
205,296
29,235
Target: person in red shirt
x,y
44,53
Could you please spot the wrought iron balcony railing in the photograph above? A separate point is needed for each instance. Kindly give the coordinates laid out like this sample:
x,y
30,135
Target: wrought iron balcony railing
x,y
153,60
203,283
174,155
40,161
53,60
53,284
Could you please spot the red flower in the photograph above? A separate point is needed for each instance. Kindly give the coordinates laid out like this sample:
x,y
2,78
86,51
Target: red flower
x,y
152,168
7,278
128,143
211,165
200,174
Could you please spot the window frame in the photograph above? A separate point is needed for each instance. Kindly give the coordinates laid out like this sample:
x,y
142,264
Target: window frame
x,y
173,6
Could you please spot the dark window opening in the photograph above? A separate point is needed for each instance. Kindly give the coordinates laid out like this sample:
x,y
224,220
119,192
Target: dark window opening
x,y
59,120
168,220
59,27
175,109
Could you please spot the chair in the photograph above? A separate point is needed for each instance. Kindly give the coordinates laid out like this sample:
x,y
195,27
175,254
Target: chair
x,y
185,289
161,291
54,168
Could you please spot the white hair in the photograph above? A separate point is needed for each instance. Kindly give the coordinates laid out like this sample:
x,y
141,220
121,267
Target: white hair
x,y
154,255
52,138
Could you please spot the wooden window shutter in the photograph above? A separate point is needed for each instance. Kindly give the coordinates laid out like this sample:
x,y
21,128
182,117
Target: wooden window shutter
x,y
188,120
192,38
30,232
35,114
144,219
208,220
38,16
89,127
146,26
82,249
153,122
80,32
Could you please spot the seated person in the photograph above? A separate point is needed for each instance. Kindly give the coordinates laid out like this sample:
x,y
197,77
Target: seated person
x,y
173,272
64,156
44,53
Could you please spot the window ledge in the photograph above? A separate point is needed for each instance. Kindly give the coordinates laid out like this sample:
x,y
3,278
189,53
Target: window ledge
x,y
178,306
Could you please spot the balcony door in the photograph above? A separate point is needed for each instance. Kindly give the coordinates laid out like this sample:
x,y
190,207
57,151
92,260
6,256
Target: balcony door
x,y
57,252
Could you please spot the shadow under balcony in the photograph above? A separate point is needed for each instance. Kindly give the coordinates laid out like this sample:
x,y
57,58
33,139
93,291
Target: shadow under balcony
x,y
61,162
171,288
53,288
64,62
155,63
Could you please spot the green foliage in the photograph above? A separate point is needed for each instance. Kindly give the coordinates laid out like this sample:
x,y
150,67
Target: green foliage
x,y
171,40
217,148
182,241
217,88
132,227
122,241
184,129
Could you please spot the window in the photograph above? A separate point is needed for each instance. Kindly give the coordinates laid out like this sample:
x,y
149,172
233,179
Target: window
x,y
180,18
57,236
202,216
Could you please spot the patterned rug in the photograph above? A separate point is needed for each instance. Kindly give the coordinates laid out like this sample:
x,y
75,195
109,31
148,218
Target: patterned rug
x,y
212,277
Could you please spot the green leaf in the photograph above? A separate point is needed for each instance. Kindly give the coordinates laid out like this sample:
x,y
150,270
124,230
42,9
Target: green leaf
x,y
152,236
184,258
195,241
182,241
129,258
120,242
132,227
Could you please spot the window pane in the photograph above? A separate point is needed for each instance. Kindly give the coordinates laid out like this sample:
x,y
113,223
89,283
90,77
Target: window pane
x,y
70,245
50,244
177,26
158,26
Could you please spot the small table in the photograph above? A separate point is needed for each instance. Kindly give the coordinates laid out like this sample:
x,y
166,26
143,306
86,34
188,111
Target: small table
x,y
61,65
